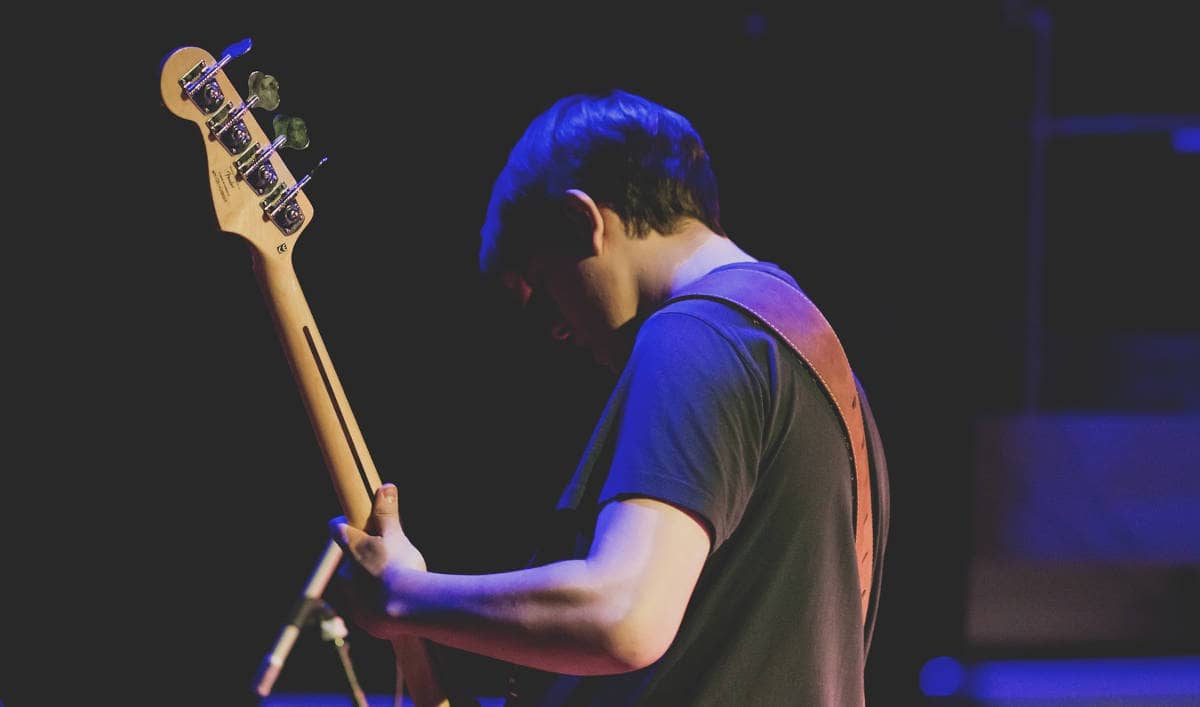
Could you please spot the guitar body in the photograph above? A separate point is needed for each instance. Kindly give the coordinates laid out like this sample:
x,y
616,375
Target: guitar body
x,y
255,196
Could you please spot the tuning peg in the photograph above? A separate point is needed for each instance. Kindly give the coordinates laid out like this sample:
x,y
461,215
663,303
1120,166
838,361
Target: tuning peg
x,y
209,99
281,206
255,167
236,49
266,87
312,172
305,179
293,129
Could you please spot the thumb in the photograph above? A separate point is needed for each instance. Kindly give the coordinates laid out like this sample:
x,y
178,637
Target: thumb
x,y
343,533
385,513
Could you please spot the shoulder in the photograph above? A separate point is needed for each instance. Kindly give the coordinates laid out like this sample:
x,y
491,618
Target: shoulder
x,y
692,313
694,327
701,341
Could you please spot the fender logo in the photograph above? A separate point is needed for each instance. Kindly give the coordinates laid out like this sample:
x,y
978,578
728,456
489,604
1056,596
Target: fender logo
x,y
225,183
222,190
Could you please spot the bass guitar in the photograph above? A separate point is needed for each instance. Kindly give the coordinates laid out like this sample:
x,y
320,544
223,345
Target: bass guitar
x,y
255,196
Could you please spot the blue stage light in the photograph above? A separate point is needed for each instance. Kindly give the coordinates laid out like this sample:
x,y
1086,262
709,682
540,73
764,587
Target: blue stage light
x,y
942,676
1075,679
1187,140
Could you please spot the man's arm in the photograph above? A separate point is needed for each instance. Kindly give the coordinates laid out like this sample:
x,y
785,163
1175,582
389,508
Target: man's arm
x,y
616,610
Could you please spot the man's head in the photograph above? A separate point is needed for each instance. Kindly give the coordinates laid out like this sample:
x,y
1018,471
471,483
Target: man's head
x,y
641,160
613,153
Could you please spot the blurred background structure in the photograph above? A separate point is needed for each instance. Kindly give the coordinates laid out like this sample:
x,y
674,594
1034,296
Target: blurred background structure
x,y
1084,566
992,201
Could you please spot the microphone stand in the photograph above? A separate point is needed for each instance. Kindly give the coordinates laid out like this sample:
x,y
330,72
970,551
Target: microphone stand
x,y
332,627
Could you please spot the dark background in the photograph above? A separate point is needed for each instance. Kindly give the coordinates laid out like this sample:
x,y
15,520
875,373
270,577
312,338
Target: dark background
x,y
172,495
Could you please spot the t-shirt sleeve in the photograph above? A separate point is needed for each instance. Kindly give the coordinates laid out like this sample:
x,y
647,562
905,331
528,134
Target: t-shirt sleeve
x,y
690,430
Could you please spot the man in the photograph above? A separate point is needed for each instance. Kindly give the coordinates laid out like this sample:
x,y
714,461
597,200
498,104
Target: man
x,y
707,553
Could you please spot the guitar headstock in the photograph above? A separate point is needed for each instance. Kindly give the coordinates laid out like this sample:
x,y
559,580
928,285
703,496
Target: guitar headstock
x,y
254,193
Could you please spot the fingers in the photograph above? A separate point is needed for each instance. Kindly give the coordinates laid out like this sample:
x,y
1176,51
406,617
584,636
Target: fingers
x,y
385,513
339,531
355,543
368,549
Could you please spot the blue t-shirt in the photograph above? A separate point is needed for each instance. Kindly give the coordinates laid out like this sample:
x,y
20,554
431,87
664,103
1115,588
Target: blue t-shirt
x,y
714,414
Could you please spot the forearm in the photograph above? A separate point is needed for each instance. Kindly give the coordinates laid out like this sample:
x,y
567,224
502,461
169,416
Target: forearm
x,y
567,617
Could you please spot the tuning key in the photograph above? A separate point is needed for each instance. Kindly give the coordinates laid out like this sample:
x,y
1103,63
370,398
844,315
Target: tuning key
x,y
281,206
256,168
294,129
229,127
266,87
199,84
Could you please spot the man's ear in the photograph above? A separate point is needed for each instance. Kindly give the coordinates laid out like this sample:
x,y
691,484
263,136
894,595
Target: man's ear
x,y
584,215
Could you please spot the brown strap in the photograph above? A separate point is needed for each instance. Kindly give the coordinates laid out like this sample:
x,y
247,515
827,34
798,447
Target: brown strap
x,y
791,315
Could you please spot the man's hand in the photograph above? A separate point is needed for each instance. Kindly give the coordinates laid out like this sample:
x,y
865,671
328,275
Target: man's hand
x,y
377,556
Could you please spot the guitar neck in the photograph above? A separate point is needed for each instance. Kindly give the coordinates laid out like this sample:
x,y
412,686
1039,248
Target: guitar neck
x,y
350,466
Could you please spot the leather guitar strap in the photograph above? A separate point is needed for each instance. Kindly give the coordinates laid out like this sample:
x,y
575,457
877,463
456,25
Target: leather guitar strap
x,y
798,322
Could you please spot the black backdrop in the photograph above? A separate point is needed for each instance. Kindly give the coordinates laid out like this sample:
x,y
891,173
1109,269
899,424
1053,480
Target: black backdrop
x,y
181,498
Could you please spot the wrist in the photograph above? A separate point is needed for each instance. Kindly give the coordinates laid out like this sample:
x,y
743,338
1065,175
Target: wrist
x,y
399,585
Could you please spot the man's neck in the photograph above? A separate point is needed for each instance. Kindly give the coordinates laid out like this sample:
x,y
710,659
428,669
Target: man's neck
x,y
666,264
711,251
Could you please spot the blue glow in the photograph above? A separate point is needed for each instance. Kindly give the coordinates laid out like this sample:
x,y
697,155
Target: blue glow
x,y
942,676
1097,677
1122,124
1187,140
1177,676
756,25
